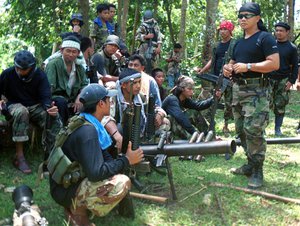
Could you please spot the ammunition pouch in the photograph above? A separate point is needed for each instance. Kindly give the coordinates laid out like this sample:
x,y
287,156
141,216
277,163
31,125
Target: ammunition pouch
x,y
62,170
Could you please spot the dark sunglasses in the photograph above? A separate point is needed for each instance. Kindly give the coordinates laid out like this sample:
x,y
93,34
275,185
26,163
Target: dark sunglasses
x,y
247,16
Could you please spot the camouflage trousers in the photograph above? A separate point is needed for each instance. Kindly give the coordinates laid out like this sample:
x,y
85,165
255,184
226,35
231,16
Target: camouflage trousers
x,y
279,96
197,120
22,116
207,92
101,197
150,63
251,115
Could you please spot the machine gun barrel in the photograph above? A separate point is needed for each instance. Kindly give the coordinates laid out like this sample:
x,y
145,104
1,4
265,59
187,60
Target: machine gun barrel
x,y
213,147
287,140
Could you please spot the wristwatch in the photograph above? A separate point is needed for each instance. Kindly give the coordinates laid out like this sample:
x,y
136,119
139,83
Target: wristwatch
x,y
249,66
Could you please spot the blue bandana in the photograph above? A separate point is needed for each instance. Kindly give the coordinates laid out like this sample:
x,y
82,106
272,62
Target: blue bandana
x,y
103,137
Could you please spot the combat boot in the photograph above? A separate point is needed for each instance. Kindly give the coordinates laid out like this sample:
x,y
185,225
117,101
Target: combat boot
x,y
278,124
126,208
256,179
245,170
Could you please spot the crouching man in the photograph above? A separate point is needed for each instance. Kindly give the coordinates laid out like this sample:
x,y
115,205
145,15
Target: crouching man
x,y
94,181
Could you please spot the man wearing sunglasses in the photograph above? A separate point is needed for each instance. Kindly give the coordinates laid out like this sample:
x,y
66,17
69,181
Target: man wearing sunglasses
x,y
254,56
283,79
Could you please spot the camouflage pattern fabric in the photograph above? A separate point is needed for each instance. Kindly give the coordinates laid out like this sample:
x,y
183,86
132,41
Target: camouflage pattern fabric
x,y
22,116
197,120
251,115
100,34
279,96
101,197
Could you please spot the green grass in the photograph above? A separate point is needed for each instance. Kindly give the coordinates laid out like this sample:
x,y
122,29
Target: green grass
x,y
281,171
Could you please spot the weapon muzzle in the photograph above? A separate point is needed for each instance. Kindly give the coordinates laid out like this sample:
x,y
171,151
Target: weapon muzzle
x,y
213,147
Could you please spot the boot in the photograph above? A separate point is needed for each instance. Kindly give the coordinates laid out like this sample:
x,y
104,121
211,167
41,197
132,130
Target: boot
x,y
245,169
256,179
278,124
225,129
126,207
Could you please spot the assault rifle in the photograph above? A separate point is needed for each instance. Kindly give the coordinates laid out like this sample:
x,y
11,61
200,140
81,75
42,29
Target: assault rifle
x,y
214,79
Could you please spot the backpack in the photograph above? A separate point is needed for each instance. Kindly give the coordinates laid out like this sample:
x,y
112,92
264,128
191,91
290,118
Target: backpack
x,y
60,167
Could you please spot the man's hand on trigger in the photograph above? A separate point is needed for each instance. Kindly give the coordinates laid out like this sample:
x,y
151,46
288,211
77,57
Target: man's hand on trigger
x,y
134,157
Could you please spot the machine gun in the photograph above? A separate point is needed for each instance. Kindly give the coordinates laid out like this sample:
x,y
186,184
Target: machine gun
x,y
26,213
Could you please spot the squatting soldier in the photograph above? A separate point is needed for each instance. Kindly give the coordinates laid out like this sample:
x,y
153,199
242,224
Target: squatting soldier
x,y
254,56
28,95
97,186
283,79
150,39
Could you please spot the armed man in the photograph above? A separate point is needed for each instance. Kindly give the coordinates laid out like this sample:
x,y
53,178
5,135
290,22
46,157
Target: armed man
x,y
283,79
150,38
221,54
94,182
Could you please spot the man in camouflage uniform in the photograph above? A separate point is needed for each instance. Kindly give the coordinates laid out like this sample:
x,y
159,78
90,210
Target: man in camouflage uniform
x,y
101,27
28,95
283,79
150,38
100,186
221,54
173,65
254,56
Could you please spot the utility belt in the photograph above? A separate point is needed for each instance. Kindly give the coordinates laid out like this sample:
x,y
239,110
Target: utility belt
x,y
262,81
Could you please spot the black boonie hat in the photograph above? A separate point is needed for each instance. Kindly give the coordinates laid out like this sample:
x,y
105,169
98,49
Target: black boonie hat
x,y
24,59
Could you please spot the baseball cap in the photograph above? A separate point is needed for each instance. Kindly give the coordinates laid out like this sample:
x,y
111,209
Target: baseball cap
x,y
93,93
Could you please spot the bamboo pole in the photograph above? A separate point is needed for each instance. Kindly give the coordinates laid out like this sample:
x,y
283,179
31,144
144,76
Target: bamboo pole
x,y
255,192
149,197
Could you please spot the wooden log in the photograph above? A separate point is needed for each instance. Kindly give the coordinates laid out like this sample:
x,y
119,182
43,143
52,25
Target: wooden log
x,y
260,193
149,197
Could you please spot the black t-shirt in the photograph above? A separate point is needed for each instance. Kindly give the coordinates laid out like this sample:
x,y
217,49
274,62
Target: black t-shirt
x,y
220,53
288,62
253,50
83,147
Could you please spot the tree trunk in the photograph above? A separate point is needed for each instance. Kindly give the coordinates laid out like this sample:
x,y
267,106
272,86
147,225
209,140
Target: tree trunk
x,y
120,7
124,19
135,24
183,24
155,7
168,8
84,7
291,7
209,36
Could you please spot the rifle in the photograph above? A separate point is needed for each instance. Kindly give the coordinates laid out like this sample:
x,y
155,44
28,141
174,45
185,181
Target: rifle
x,y
91,71
127,121
214,79
150,126
216,101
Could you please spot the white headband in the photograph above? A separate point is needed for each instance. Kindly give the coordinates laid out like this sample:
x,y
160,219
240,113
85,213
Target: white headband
x,y
70,44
